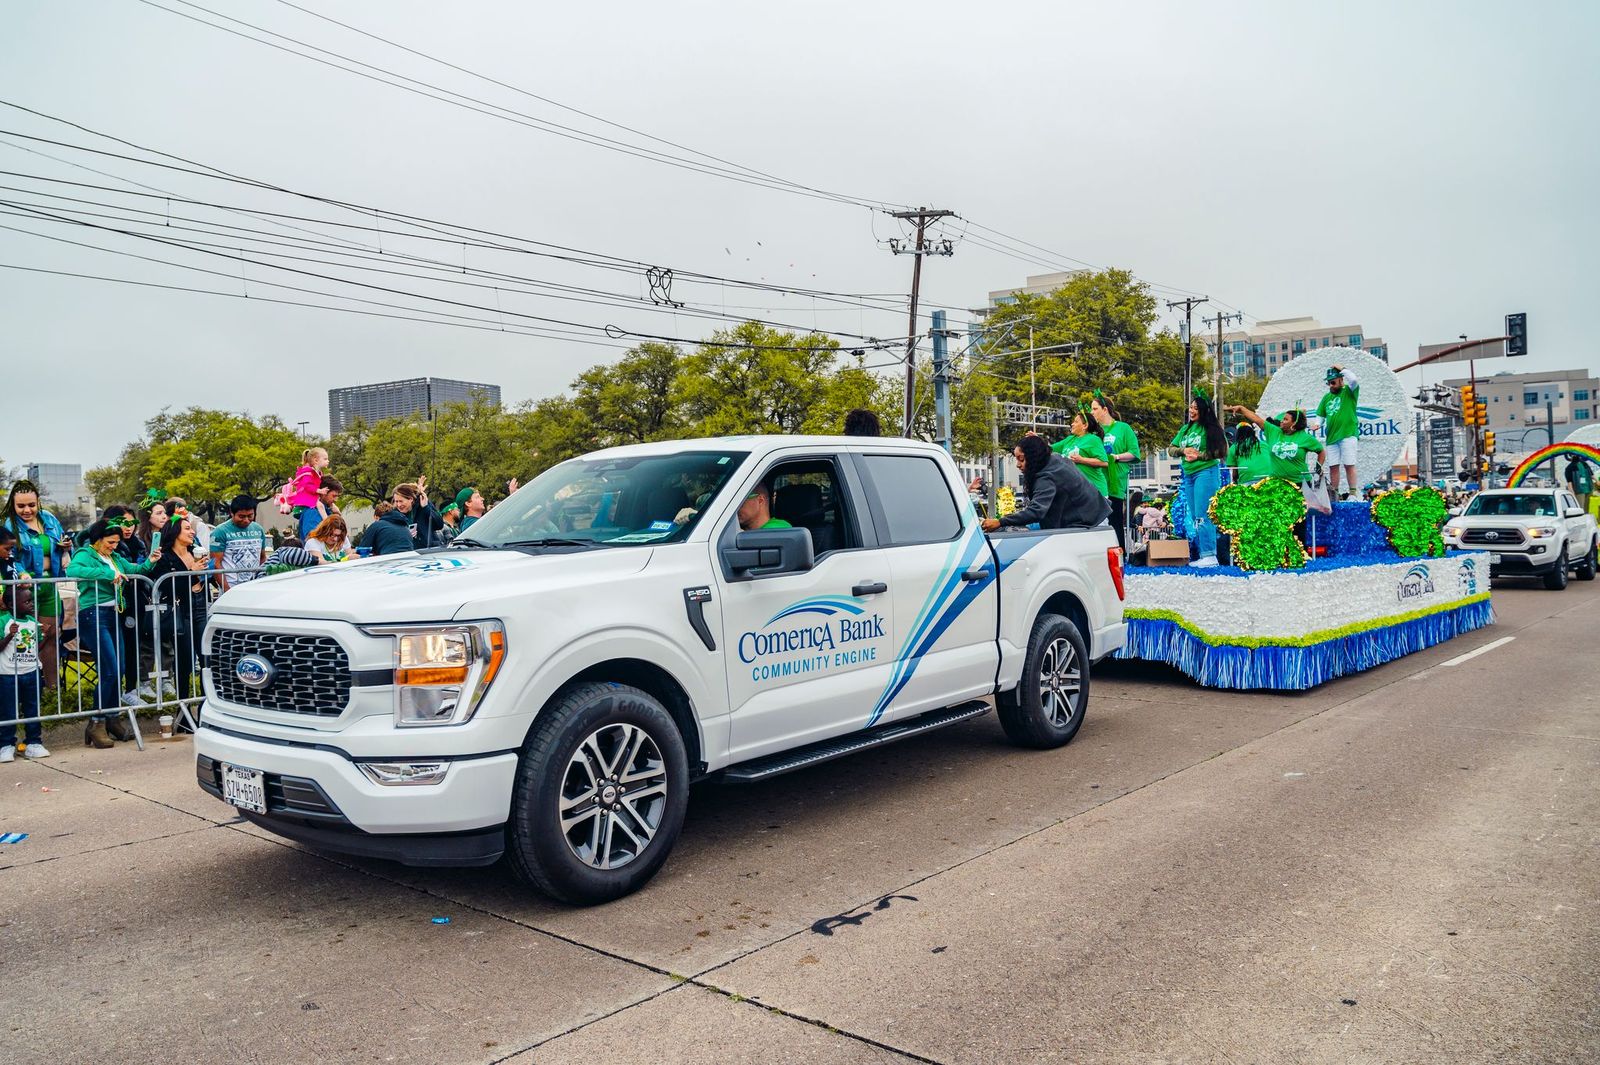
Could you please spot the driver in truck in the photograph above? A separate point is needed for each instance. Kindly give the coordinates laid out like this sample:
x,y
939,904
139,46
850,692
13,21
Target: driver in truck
x,y
756,510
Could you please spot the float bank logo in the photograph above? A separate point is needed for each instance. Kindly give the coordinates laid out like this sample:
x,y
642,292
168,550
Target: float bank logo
x,y
816,635
1469,576
1416,583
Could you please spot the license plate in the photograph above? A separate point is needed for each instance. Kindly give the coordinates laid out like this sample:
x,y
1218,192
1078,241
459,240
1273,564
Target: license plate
x,y
1494,558
244,788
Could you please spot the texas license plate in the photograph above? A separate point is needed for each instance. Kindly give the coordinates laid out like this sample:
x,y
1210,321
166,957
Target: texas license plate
x,y
244,788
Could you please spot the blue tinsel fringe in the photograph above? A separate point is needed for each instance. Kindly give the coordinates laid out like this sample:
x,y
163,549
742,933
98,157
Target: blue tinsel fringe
x,y
1294,668
1349,530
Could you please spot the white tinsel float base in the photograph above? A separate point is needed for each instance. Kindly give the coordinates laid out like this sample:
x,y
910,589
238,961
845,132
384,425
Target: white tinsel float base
x,y
1291,630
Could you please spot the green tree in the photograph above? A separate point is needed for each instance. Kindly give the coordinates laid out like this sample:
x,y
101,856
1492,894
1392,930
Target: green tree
x,y
121,481
630,401
209,456
754,379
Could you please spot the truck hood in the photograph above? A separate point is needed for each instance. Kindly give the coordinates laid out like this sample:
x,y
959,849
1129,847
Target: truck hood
x,y
425,587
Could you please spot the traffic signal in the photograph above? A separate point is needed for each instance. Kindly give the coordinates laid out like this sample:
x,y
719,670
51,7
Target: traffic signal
x,y
1516,334
1481,411
1483,465
1469,407
1488,443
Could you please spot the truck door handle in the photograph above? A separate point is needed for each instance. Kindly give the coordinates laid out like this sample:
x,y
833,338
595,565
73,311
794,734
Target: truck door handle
x,y
976,573
870,588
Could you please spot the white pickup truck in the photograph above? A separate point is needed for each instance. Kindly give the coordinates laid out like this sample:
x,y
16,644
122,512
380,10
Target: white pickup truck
x,y
547,687
1528,532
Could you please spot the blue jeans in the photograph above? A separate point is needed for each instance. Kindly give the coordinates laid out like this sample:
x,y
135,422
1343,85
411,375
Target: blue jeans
x,y
99,634
19,693
1200,488
309,519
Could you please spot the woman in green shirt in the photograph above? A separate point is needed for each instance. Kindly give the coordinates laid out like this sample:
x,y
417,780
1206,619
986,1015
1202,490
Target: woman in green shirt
x,y
1087,450
101,575
1248,458
1203,446
1287,442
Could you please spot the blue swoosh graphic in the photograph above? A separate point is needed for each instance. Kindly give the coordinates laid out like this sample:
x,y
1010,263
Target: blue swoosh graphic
x,y
827,605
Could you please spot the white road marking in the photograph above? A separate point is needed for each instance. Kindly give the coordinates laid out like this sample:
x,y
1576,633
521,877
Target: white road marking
x,y
1458,659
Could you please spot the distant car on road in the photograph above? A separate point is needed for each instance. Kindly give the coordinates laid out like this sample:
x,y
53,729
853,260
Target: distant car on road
x,y
1529,532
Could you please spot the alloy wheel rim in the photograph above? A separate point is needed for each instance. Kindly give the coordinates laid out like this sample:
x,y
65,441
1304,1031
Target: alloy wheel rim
x,y
1060,681
613,796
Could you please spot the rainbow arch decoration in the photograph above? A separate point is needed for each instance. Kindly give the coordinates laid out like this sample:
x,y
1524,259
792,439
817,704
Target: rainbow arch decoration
x,y
1545,454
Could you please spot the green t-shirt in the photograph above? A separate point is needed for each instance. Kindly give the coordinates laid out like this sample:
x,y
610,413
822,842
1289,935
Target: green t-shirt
x,y
1339,413
1250,468
1090,447
1289,451
777,523
1193,434
1118,439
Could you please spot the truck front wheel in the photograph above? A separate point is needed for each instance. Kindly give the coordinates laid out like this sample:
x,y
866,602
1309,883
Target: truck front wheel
x,y
600,797
1591,562
1047,706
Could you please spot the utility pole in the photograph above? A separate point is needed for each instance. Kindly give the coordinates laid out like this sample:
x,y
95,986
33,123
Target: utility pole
x,y
303,429
920,217
1188,303
941,383
1216,365
994,457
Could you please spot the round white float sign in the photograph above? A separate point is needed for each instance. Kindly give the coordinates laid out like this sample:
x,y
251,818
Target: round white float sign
x,y
1585,434
1383,409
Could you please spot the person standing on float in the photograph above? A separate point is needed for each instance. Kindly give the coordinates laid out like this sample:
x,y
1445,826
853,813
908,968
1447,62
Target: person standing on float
x,y
1122,451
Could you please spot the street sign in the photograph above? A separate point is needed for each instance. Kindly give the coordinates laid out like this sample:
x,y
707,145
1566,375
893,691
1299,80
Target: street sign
x,y
1441,447
1487,349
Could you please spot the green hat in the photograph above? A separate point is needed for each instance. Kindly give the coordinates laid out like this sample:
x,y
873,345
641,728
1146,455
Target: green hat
x,y
450,507
1333,371
464,495
1201,394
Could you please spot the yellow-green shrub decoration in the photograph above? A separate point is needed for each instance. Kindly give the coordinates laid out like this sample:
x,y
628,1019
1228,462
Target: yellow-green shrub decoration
x,y
1260,518
1413,517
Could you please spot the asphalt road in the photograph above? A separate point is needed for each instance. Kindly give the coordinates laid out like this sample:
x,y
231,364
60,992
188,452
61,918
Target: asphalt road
x,y
1400,866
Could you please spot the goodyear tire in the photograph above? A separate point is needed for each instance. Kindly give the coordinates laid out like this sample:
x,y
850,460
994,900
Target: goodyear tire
x,y
1556,579
1586,569
601,791
1047,706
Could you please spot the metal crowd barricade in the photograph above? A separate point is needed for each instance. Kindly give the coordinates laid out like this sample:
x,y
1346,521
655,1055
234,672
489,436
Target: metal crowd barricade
x,y
109,662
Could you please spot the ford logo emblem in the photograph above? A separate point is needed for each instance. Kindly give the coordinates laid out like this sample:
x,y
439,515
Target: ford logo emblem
x,y
1491,536
253,671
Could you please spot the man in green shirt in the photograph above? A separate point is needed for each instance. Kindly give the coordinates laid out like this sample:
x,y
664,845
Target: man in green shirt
x,y
1087,450
1340,429
1122,451
756,510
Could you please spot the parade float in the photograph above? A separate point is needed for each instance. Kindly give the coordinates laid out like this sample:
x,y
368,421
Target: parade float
x,y
1369,583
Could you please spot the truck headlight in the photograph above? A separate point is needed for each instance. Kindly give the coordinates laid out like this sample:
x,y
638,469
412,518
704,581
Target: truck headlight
x,y
441,673
1453,531
1541,532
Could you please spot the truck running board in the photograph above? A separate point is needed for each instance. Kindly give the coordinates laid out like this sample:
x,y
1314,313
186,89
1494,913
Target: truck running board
x,y
853,743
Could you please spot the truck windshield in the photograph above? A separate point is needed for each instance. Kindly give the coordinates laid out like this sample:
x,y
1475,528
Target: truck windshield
x,y
1514,505
651,499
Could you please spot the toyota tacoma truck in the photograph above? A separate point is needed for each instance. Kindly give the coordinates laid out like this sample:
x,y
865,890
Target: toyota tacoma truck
x,y
546,688
1528,532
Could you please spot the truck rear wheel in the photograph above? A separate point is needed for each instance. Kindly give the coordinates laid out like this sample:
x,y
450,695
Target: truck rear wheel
x,y
601,792
1047,706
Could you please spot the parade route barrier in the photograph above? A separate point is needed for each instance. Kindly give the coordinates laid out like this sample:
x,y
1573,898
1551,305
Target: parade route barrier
x,y
111,663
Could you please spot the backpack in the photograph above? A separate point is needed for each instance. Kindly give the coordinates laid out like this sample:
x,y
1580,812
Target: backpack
x,y
285,493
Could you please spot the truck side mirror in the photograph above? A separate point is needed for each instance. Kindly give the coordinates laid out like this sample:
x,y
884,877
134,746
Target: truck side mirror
x,y
1574,513
763,552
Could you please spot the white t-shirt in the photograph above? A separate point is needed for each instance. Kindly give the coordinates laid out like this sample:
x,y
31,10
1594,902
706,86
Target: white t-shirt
x,y
317,547
21,656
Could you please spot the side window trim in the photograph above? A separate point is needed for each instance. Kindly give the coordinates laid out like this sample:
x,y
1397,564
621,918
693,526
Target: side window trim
x,y
875,499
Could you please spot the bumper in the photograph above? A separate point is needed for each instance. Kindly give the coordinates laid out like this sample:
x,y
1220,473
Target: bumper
x,y
321,797
1518,563
1107,641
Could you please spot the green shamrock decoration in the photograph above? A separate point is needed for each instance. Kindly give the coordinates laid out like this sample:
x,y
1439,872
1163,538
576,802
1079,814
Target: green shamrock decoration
x,y
1413,517
1261,518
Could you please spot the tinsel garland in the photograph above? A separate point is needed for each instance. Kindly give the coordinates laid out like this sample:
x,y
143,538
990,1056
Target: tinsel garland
x,y
1413,517
1292,667
1005,501
1349,530
1178,512
1260,518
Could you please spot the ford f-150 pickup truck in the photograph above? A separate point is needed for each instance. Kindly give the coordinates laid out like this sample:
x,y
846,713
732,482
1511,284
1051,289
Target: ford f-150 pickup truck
x,y
1528,532
547,687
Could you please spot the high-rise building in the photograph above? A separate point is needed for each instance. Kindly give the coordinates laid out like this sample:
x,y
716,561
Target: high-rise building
x,y
400,399
1267,345
59,482
1038,285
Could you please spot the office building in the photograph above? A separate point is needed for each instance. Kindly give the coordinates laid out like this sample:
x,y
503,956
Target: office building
x,y
1038,285
1516,405
60,483
401,399
1267,345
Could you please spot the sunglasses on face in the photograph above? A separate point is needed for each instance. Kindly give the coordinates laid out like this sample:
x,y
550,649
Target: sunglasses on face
x,y
126,523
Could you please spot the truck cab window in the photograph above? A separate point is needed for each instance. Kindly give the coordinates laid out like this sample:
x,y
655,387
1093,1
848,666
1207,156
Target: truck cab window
x,y
807,494
917,505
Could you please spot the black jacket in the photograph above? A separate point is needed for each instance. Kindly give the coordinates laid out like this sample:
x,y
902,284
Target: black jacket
x,y
390,535
1061,497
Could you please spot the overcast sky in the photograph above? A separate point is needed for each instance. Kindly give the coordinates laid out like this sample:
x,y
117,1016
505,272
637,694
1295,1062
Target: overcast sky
x,y
1419,169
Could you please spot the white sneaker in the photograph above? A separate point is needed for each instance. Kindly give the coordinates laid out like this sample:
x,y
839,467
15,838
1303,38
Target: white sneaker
x,y
132,699
36,750
1204,562
7,753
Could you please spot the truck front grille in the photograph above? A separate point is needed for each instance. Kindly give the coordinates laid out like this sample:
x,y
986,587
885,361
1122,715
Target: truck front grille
x,y
311,673
1507,537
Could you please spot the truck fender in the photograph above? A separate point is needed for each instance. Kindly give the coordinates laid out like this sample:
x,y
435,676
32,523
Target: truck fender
x,y
1069,590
